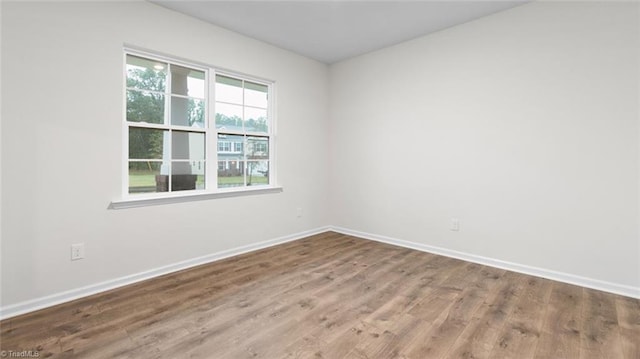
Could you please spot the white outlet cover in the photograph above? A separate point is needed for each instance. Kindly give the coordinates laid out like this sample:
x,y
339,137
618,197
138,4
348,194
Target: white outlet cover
x,y
455,224
77,251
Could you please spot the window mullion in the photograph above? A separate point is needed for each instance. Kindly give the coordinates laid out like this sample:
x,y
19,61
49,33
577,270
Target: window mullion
x,y
169,137
271,134
244,139
148,125
244,157
211,142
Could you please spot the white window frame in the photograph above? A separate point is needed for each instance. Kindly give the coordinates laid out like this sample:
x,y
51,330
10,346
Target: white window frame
x,y
211,190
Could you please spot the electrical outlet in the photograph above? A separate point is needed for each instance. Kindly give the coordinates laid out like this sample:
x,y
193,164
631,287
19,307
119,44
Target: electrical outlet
x,y
298,212
455,224
77,251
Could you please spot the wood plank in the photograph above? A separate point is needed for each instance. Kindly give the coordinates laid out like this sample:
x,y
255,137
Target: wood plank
x,y
391,342
628,310
480,335
520,334
359,332
560,334
599,326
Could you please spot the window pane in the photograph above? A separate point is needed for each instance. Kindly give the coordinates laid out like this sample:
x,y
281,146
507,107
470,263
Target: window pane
x,y
146,74
187,145
233,144
228,117
255,95
230,160
232,175
200,183
228,89
255,120
225,182
257,148
196,113
143,106
187,82
257,173
142,176
181,178
145,143
198,169
187,112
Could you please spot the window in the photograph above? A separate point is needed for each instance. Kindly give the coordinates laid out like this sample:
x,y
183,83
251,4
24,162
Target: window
x,y
169,109
242,118
224,146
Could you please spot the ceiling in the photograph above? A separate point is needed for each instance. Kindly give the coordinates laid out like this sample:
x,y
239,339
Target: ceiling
x,y
331,31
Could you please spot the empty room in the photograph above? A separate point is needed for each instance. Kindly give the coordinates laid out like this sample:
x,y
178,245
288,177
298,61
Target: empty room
x,y
320,179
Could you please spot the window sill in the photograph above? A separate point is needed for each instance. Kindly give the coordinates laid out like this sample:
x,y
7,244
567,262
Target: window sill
x,y
190,197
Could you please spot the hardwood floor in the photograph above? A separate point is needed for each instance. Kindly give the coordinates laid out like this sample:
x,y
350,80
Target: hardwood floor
x,y
335,296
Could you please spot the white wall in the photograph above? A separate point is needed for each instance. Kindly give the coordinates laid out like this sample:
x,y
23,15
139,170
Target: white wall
x,y
62,139
523,124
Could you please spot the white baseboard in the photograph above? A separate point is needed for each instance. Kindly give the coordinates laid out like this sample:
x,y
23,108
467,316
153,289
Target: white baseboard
x,y
62,297
615,288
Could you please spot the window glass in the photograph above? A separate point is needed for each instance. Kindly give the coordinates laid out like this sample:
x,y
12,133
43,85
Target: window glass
x,y
257,173
146,143
187,145
229,117
230,152
187,82
145,106
256,120
187,112
146,74
257,148
142,176
255,95
228,90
